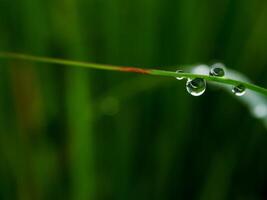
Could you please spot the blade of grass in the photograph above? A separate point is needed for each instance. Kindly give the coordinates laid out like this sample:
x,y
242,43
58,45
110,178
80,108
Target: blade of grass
x,y
79,112
155,72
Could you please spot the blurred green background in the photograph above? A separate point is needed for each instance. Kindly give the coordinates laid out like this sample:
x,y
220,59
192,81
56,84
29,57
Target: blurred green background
x,y
71,133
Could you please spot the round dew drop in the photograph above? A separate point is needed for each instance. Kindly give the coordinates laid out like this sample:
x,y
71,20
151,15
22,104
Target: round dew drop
x,y
196,86
239,90
179,78
217,70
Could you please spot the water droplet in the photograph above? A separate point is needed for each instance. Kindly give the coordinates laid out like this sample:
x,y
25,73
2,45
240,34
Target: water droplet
x,y
239,90
179,78
217,70
196,86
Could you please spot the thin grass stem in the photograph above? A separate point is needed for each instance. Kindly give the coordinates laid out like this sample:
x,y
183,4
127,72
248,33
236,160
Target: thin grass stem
x,y
156,72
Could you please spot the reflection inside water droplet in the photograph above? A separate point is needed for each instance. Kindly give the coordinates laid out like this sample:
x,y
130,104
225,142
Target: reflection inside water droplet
x,y
239,90
196,86
217,70
179,78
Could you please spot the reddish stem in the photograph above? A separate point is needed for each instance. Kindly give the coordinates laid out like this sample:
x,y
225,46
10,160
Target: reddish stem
x,y
134,70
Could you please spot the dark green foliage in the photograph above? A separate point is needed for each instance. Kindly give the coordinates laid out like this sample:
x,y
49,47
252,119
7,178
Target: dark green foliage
x,y
70,133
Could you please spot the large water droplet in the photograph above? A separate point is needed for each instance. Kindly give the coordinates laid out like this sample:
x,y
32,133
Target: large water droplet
x,y
239,90
180,77
196,86
217,70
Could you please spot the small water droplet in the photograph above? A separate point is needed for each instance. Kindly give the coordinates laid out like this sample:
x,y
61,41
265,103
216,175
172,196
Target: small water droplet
x,y
196,86
179,78
239,90
217,70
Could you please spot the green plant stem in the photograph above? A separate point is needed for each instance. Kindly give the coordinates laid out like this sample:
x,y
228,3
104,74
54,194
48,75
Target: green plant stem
x,y
155,72
222,80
